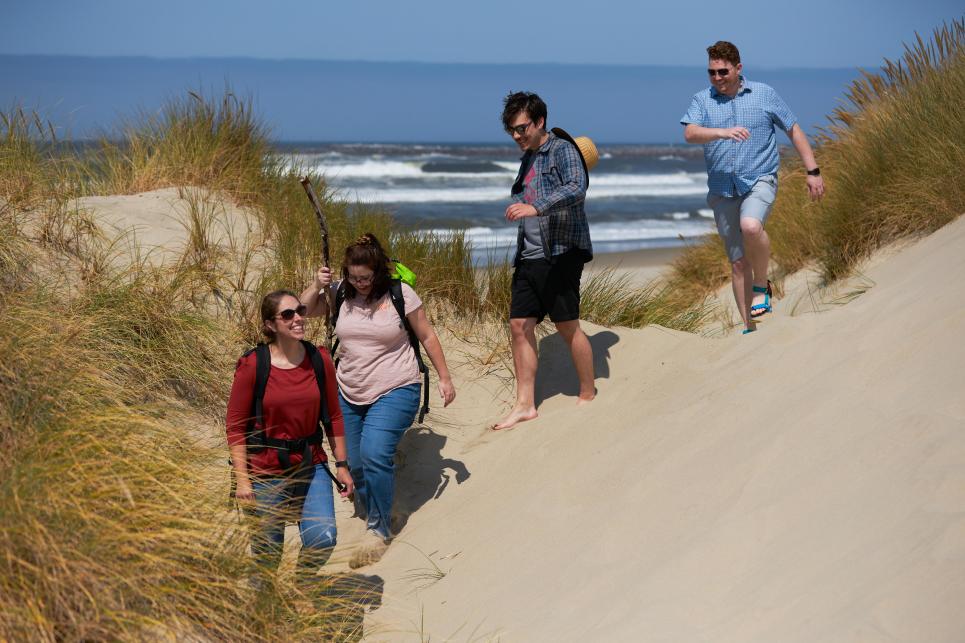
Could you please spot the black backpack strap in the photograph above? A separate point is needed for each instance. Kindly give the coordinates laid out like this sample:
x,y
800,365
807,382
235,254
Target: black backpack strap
x,y
255,435
318,365
398,300
339,300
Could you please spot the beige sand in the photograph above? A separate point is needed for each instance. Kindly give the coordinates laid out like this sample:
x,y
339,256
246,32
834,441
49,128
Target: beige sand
x,y
803,483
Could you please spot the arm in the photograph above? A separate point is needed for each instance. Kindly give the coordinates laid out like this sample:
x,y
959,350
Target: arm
x,y
336,436
430,341
694,133
800,142
236,423
316,304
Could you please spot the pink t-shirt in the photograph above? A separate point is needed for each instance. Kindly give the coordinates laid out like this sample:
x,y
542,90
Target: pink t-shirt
x,y
374,351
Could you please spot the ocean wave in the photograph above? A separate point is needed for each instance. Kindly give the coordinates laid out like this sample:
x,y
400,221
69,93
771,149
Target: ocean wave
x,y
501,193
489,238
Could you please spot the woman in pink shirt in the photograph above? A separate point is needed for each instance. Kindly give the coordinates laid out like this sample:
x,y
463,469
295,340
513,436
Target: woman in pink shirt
x,y
378,378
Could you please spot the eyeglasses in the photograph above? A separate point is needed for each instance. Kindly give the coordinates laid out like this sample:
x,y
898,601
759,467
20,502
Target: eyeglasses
x,y
519,129
361,280
718,72
289,313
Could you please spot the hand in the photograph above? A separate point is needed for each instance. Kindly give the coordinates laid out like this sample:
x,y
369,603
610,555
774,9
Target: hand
x,y
323,278
343,476
815,187
244,494
447,391
517,211
735,133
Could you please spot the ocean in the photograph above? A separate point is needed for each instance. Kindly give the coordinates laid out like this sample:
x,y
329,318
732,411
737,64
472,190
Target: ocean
x,y
640,196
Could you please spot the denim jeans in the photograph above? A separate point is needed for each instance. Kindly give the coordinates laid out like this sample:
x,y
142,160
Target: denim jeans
x,y
316,522
372,433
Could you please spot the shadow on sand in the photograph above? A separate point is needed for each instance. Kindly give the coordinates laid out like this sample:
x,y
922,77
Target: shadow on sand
x,y
422,473
555,374
346,597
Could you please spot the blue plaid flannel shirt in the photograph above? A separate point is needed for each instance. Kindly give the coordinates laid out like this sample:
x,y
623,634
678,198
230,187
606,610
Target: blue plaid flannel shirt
x,y
733,167
560,184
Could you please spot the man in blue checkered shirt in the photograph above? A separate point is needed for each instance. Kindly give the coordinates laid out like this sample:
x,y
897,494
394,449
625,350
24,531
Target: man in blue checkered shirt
x,y
552,246
734,120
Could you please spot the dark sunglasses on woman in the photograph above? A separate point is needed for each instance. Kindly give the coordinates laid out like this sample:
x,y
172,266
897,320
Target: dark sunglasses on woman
x,y
289,313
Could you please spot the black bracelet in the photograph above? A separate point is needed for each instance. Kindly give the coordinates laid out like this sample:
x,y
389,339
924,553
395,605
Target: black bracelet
x,y
815,172
341,463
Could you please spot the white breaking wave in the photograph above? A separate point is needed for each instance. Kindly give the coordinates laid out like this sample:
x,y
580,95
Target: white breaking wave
x,y
501,193
486,238
706,212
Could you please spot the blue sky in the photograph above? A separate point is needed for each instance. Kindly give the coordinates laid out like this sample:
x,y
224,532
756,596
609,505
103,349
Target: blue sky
x,y
645,60
812,33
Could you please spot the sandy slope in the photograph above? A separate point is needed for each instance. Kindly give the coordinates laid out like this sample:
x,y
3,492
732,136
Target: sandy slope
x,y
804,483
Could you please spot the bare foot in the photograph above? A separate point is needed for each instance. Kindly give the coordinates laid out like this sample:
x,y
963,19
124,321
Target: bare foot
x,y
583,401
515,417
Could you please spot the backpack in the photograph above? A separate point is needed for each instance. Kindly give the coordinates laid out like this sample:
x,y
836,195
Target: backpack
x,y
398,301
257,440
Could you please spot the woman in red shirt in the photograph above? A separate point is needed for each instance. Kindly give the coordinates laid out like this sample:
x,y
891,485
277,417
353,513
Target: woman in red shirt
x,y
268,492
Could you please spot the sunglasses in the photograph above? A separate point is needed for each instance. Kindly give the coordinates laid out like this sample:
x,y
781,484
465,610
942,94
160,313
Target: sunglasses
x,y
718,72
289,313
367,279
519,129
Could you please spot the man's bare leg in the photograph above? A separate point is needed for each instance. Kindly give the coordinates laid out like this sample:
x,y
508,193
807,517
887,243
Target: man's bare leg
x,y
582,354
742,278
523,333
757,247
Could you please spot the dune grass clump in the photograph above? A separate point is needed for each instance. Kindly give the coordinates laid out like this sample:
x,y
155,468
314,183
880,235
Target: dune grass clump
x,y
195,141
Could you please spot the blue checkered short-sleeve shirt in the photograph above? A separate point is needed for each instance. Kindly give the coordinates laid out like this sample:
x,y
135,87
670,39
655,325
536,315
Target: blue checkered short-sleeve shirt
x,y
733,167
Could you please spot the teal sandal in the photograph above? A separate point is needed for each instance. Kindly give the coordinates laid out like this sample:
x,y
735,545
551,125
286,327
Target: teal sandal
x,y
759,309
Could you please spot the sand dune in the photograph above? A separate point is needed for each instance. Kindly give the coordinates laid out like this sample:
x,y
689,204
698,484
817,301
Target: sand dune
x,y
803,483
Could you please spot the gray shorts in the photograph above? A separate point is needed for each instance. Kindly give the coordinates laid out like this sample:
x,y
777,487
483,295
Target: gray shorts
x,y
728,211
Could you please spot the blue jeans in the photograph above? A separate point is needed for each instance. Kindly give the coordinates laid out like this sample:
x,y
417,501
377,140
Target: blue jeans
x,y
316,523
372,433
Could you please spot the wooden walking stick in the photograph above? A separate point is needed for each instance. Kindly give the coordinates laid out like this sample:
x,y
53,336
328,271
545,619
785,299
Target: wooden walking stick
x,y
323,228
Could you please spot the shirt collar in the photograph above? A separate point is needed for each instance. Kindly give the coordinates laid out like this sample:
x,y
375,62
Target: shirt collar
x,y
544,148
744,87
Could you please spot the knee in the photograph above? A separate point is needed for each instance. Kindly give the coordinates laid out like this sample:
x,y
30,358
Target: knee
x,y
739,266
519,327
375,457
751,227
319,536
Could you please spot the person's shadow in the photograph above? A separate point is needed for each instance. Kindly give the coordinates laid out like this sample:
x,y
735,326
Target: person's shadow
x,y
555,374
344,599
421,473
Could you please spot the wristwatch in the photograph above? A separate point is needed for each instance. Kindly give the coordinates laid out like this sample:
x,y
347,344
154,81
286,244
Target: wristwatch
x,y
341,463
815,172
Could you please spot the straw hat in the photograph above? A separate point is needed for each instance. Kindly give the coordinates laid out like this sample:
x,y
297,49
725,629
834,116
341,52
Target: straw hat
x,y
584,144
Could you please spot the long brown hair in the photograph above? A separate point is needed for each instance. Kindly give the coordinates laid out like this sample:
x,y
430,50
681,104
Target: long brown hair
x,y
367,251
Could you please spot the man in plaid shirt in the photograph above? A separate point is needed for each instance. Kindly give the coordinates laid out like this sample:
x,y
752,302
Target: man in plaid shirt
x,y
734,119
553,245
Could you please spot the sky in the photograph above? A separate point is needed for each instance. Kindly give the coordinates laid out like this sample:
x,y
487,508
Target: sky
x,y
815,33
436,70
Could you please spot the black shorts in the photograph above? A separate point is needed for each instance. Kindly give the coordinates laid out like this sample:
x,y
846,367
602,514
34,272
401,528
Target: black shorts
x,y
541,288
